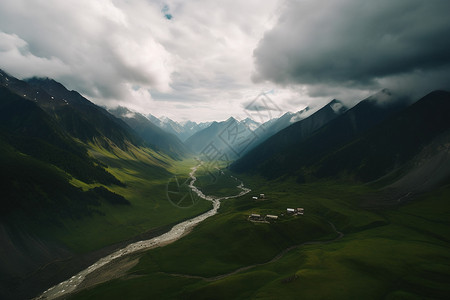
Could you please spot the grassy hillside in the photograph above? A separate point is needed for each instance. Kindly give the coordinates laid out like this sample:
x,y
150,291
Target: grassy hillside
x,y
399,252
47,241
75,185
146,175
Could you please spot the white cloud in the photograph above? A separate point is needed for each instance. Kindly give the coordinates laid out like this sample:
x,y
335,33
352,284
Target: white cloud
x,y
113,51
198,63
16,56
105,47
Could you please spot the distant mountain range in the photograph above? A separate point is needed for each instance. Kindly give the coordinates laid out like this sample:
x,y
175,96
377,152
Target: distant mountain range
x,y
227,139
233,138
182,130
197,136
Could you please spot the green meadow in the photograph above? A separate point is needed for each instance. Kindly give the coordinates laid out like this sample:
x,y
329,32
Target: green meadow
x,y
398,252
218,183
146,175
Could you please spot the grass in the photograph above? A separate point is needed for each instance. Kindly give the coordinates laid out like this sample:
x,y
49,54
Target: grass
x,y
217,183
395,253
146,175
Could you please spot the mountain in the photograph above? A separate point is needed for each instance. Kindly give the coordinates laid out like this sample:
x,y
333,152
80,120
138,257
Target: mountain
x,y
182,130
38,162
228,139
275,125
408,146
261,132
190,128
251,124
25,127
288,137
75,114
412,148
381,138
46,129
62,160
153,135
167,124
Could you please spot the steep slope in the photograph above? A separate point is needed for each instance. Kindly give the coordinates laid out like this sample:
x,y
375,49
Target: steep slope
x,y
27,128
80,117
422,127
167,125
74,179
405,148
38,161
198,141
274,126
289,137
151,134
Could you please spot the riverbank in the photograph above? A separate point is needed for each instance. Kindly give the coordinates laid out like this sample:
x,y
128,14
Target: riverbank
x,y
78,281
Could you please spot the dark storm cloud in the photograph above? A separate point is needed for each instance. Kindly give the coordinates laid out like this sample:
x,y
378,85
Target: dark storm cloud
x,y
355,43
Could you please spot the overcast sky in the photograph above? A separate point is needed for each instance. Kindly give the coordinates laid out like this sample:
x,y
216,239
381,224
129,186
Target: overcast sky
x,y
206,60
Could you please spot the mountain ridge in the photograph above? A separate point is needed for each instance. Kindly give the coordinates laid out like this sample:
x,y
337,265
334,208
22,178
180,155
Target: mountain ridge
x,y
368,142
153,135
183,130
288,136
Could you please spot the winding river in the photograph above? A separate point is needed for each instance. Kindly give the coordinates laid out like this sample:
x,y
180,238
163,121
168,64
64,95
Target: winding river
x,y
174,234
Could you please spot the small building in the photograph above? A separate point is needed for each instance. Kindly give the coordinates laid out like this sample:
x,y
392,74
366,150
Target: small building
x,y
261,196
290,211
300,210
255,217
255,198
271,217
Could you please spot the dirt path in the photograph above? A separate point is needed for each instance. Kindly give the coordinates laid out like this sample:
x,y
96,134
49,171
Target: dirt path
x,y
91,276
276,258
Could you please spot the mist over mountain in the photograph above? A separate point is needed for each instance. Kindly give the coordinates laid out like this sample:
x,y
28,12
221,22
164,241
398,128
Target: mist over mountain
x,y
288,137
227,139
405,145
381,135
233,138
182,130
273,126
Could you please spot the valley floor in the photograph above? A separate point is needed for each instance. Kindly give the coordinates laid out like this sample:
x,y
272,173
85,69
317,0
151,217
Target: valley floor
x,y
103,269
393,252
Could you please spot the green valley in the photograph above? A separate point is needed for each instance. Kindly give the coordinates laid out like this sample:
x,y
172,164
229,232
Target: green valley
x,y
384,253
345,203
201,149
